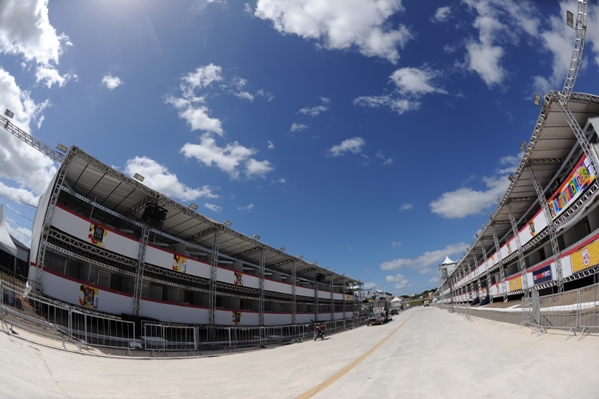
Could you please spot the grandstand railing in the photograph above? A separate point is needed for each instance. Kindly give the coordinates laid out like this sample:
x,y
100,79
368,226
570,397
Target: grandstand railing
x,y
22,307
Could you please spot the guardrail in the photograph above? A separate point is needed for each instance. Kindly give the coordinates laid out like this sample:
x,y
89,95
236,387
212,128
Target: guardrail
x,y
40,315
575,310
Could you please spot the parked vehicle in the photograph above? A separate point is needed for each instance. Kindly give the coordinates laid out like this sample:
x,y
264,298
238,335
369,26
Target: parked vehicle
x,y
375,318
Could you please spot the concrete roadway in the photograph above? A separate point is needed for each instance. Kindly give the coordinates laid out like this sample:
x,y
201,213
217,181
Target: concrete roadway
x,y
423,352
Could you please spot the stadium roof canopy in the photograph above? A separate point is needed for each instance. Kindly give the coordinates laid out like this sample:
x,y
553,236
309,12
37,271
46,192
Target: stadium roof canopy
x,y
552,151
115,193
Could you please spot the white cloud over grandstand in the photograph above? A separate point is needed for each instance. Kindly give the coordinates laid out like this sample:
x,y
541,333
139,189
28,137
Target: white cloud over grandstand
x,y
158,178
233,158
428,260
340,24
466,201
400,281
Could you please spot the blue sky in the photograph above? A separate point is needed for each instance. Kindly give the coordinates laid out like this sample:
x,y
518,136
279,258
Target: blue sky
x,y
370,136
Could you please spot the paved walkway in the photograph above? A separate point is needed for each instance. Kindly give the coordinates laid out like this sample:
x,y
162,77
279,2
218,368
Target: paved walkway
x,y
423,352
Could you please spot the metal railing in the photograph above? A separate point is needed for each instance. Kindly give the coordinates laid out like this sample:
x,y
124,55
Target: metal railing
x,y
43,316
575,310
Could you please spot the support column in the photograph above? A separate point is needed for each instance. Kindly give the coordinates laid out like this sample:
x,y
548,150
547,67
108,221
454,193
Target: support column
x,y
488,273
332,301
262,276
477,274
213,270
141,267
315,297
551,227
39,271
499,258
344,298
521,261
293,295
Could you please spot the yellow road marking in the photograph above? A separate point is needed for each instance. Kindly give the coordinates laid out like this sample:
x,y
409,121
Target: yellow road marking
x,y
334,378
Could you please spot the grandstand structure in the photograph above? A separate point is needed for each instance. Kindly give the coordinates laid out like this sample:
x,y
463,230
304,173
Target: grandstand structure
x,y
105,241
544,234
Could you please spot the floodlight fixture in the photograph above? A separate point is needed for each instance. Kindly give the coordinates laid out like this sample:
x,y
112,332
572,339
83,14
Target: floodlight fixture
x,y
193,206
139,177
511,177
537,100
523,146
489,214
570,19
282,249
498,200
9,113
256,237
62,147
301,256
227,223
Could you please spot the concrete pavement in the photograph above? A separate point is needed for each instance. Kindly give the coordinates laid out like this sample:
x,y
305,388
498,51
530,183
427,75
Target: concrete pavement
x,y
423,352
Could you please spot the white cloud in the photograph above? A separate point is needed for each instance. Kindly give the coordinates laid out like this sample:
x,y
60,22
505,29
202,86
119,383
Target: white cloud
x,y
340,24
371,286
400,281
485,55
410,85
246,208
271,146
434,280
297,127
257,168
399,105
442,14
416,81
158,178
466,201
396,244
25,29
213,208
405,207
429,259
20,233
247,8
196,114
50,76
19,162
314,111
228,158
112,82
353,145
200,79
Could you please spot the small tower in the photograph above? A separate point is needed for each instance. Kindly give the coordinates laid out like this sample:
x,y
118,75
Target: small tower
x,y
446,268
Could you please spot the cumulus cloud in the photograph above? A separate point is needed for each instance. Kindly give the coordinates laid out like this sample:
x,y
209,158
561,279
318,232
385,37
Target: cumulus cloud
x,y
213,208
400,281
427,260
246,208
297,127
499,22
434,280
271,146
410,85
396,244
353,145
340,24
371,286
314,111
405,207
442,14
19,162
158,178
111,82
49,76
466,201
229,159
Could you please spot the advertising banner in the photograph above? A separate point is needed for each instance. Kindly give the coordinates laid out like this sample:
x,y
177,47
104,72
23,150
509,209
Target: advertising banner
x,y
577,181
88,296
236,317
515,284
96,234
238,278
179,263
585,257
542,275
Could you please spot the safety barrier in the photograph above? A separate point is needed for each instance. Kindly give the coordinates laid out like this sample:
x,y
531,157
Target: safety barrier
x,y
588,309
43,316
